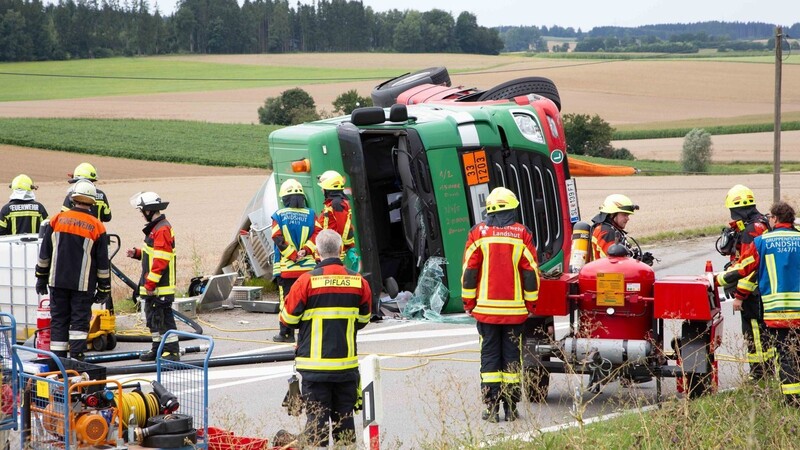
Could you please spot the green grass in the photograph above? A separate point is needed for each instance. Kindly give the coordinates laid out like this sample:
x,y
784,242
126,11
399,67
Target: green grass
x,y
620,135
751,417
671,236
765,120
202,143
765,57
147,75
650,167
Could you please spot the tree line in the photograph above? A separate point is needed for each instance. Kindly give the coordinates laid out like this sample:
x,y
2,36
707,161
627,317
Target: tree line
x,y
31,30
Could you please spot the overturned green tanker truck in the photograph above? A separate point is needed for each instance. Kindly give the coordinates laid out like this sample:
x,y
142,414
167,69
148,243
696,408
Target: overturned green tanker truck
x,y
419,165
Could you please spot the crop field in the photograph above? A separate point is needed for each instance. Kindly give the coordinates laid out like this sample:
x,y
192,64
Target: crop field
x,y
206,202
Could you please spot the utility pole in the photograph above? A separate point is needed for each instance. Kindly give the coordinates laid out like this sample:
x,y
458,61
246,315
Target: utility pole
x,y
776,156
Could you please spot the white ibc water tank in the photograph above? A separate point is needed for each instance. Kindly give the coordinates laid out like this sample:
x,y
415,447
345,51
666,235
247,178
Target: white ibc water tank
x,y
18,297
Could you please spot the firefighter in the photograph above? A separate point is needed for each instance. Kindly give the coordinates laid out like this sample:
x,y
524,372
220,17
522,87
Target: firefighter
x,y
777,257
292,233
101,209
336,213
740,281
23,214
74,263
500,286
608,228
328,305
157,283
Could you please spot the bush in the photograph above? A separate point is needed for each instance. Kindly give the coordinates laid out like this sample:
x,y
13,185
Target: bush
x,y
696,154
588,135
350,100
292,107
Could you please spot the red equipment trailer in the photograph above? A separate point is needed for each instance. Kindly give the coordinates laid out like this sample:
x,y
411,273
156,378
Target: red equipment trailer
x,y
616,312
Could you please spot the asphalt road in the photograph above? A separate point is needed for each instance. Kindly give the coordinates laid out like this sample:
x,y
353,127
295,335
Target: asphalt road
x,y
430,373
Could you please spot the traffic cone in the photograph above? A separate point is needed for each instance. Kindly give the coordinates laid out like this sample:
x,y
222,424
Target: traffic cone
x,y
709,268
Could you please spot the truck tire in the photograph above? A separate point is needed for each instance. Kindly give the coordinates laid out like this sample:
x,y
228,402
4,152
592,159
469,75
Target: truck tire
x,y
523,86
386,93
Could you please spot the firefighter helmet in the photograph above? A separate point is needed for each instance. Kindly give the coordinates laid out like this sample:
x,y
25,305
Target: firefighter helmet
x,y
501,199
84,192
618,203
291,186
739,196
84,171
148,201
22,182
331,180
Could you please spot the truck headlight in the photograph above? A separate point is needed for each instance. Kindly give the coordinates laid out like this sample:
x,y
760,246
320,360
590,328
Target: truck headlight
x,y
529,127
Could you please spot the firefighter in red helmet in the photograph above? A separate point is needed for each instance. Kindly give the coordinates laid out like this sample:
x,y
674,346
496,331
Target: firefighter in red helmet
x,y
500,286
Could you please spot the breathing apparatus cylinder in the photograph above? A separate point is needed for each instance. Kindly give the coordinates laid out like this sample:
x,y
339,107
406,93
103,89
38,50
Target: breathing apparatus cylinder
x,y
580,246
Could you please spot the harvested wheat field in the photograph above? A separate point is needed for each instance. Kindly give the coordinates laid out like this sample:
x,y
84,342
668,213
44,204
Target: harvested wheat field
x,y
206,203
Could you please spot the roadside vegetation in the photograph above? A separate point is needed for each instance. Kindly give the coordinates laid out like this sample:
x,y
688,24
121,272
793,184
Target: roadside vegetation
x,y
750,417
624,135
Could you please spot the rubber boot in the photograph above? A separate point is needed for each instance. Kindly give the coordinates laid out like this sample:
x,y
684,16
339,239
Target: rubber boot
x,y
490,414
511,413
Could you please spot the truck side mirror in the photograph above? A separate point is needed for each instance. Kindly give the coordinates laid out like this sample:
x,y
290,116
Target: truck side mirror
x,y
398,113
368,115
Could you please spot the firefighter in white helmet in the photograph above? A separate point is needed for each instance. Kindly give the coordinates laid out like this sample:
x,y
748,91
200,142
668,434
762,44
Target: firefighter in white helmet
x,y
293,235
74,266
739,279
23,214
101,208
157,283
500,286
608,228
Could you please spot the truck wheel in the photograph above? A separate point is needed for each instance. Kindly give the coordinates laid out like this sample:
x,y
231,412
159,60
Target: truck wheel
x,y
386,93
524,86
537,383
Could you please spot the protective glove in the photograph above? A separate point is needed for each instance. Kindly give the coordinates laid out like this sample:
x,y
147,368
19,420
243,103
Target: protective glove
x,y
730,291
41,286
102,297
648,258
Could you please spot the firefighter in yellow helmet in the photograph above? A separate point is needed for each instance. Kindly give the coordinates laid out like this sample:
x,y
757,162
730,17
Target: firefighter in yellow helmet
x,y
336,214
608,228
500,285
22,214
739,279
293,236
101,208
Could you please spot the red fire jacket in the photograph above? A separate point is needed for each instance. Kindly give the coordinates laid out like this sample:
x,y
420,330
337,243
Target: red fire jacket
x,y
500,282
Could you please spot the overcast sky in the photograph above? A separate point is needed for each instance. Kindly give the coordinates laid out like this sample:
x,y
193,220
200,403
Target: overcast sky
x,y
587,14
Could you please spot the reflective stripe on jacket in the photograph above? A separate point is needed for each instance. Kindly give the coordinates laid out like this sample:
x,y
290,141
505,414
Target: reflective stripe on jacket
x,y
500,281
778,260
158,258
293,230
74,252
328,305
21,216
339,221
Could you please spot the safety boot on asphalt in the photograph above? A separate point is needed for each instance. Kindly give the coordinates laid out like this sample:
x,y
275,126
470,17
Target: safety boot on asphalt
x,y
170,356
491,415
148,356
289,338
511,413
